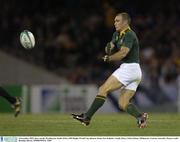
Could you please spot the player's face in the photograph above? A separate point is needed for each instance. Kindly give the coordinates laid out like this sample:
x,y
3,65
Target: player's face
x,y
119,23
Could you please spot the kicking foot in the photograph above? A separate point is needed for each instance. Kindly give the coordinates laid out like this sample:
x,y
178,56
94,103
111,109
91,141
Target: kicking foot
x,y
81,118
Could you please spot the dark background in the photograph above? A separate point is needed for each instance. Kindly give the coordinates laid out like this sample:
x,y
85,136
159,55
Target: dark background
x,y
71,36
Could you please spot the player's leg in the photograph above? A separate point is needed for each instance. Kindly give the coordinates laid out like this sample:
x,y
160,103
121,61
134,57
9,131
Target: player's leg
x,y
124,103
17,106
130,108
111,84
6,96
14,101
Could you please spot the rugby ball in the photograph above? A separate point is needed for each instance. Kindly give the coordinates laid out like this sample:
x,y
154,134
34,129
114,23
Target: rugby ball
x,y
27,39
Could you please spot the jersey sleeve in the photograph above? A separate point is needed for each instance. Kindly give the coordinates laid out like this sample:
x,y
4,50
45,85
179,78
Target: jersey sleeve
x,y
128,40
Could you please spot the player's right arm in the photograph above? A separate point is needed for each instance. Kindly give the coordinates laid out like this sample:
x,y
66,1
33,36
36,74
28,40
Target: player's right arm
x,y
110,45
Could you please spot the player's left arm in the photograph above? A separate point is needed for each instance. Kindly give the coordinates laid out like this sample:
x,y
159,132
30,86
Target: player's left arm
x,y
120,54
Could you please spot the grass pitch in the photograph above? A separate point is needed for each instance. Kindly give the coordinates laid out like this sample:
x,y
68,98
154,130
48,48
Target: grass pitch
x,y
101,125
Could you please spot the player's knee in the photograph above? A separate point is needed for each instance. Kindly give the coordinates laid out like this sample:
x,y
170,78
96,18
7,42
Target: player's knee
x,y
103,91
123,105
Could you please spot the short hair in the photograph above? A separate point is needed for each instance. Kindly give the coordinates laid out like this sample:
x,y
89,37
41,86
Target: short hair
x,y
125,16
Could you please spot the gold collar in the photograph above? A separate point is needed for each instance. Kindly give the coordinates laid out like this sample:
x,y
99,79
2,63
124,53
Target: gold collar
x,y
123,31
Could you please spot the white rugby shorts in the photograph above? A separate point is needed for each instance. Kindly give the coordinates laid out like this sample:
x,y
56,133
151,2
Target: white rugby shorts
x,y
129,74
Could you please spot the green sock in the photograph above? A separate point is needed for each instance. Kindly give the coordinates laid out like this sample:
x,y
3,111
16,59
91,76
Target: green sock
x,y
132,110
98,102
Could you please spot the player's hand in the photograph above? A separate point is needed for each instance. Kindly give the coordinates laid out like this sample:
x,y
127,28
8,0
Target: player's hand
x,y
105,58
109,47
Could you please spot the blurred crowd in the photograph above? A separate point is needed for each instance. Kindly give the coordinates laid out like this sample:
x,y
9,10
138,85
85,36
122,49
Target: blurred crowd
x,y
71,36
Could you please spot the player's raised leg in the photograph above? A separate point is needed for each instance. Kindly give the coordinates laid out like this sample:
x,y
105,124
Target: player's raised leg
x,y
111,84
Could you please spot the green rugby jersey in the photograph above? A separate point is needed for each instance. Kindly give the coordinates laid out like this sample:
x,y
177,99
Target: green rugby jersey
x,y
128,39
